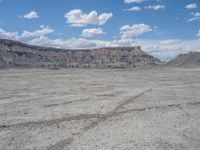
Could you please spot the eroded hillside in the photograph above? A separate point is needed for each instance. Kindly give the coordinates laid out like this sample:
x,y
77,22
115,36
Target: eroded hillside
x,y
17,54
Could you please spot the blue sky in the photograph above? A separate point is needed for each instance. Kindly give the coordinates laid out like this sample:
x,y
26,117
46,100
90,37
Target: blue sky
x,y
163,28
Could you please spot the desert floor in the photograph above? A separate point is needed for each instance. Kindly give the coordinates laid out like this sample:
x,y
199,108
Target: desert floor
x,y
99,109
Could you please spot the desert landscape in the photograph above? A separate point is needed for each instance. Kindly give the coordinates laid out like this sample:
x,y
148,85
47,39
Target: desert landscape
x,y
99,75
152,107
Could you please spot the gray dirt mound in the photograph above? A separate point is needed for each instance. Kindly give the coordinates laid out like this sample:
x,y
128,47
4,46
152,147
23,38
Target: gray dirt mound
x,y
185,60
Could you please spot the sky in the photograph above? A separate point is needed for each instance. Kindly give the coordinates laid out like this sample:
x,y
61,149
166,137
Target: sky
x,y
163,28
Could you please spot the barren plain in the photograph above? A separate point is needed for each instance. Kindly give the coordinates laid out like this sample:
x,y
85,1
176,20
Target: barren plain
x,y
100,109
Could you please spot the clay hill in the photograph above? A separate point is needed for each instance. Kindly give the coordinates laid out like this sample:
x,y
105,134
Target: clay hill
x,y
186,60
17,54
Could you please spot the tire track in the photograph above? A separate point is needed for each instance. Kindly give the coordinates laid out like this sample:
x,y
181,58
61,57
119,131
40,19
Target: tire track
x,y
130,100
100,119
66,103
115,112
60,145
35,124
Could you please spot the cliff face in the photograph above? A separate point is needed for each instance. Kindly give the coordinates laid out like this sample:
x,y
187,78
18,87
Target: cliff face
x,y
13,54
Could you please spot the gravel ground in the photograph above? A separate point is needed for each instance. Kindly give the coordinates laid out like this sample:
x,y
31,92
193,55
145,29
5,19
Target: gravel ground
x,y
97,109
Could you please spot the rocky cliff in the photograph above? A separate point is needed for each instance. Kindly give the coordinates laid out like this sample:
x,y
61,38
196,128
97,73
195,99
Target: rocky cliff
x,y
17,54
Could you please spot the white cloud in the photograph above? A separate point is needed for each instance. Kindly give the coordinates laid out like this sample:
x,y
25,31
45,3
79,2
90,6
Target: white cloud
x,y
7,35
79,43
37,33
88,33
133,1
77,18
169,41
168,51
26,34
194,17
198,34
133,31
155,7
135,8
42,26
31,15
191,6
72,43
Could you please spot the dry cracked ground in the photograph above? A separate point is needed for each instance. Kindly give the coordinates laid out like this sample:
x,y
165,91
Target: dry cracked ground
x,y
97,109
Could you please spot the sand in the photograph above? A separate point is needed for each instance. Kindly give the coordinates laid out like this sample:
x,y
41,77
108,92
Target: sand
x,y
100,109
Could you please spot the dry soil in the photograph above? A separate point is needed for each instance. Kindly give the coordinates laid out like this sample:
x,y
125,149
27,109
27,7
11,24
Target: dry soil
x,y
97,109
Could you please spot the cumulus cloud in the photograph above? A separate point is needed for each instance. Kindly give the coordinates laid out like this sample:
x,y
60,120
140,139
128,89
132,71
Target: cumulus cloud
x,y
194,17
7,35
169,41
44,30
39,32
72,43
134,8
155,7
133,1
59,43
31,15
168,51
77,18
88,33
80,43
133,31
191,6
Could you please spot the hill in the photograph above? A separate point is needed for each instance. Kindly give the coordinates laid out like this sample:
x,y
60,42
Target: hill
x,y
186,60
17,54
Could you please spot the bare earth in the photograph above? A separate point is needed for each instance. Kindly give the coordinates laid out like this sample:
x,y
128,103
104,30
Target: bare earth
x,y
96,109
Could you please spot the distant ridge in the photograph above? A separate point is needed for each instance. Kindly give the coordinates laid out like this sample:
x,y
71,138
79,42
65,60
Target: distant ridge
x,y
17,54
186,60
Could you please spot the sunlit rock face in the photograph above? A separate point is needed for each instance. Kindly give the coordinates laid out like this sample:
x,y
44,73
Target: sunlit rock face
x,y
17,54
